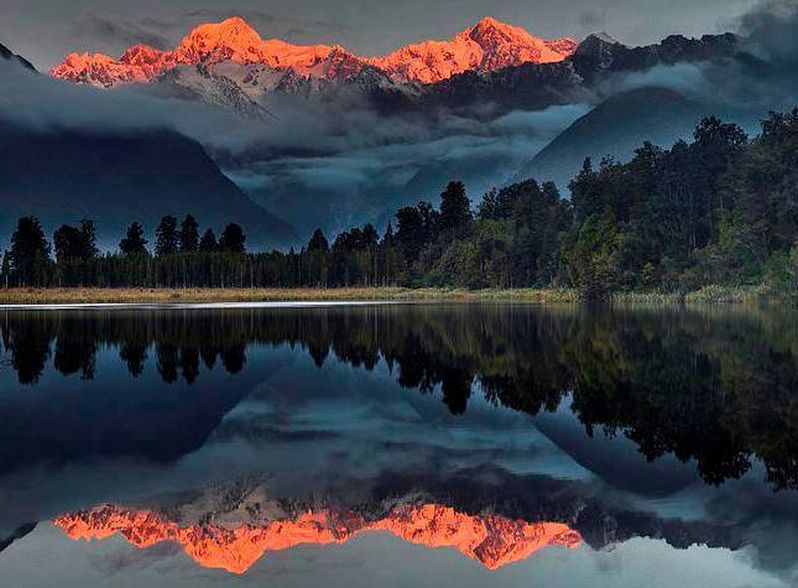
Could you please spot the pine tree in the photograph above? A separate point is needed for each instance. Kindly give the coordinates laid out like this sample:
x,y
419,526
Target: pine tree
x,y
233,239
88,234
370,242
30,253
134,242
208,243
166,237
189,235
416,226
67,243
318,242
76,243
5,270
455,214
388,258
318,254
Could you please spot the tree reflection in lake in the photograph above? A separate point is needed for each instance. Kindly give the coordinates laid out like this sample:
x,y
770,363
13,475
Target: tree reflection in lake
x,y
497,432
718,387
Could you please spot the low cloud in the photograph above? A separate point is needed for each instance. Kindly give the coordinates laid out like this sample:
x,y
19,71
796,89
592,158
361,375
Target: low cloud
x,y
35,100
771,32
764,78
689,79
366,162
370,162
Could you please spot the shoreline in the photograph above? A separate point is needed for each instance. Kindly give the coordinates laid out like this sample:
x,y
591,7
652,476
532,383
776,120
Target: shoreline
x,y
22,297
114,297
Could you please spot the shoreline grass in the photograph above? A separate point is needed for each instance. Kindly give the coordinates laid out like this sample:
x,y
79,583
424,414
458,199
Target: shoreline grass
x,y
25,296
748,296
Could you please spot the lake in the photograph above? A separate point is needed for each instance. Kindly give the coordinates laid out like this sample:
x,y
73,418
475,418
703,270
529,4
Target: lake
x,y
398,445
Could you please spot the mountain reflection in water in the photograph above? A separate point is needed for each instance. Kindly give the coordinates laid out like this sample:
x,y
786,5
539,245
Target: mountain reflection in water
x,y
492,540
497,431
717,388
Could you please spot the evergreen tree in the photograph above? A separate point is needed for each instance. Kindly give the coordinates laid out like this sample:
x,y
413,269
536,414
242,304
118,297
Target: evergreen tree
x,y
318,242
595,260
208,243
584,192
189,235
430,219
416,227
318,254
716,147
134,242
30,253
67,242
5,270
387,258
76,243
455,215
233,239
88,234
764,184
368,259
166,237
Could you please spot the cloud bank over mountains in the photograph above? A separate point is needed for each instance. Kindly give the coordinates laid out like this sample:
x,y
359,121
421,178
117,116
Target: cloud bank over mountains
x,y
336,162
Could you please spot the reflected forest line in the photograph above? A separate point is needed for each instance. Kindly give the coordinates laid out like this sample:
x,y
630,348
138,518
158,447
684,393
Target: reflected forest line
x,y
717,387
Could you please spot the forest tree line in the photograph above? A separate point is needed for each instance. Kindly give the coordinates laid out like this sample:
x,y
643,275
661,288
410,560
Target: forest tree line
x,y
720,209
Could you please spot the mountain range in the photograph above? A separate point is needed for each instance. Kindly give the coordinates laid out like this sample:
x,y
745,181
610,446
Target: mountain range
x,y
487,46
227,64
64,174
340,139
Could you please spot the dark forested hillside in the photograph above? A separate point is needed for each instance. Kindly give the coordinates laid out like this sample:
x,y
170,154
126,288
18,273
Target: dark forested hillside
x,y
719,210
111,177
617,126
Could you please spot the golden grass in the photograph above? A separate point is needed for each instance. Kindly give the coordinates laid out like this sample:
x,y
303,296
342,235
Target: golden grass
x,y
712,295
188,295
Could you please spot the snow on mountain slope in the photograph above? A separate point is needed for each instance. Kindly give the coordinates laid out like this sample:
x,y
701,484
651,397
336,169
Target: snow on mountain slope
x,y
487,46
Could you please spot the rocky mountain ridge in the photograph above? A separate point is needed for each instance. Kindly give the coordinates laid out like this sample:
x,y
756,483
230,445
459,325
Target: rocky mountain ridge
x,y
487,46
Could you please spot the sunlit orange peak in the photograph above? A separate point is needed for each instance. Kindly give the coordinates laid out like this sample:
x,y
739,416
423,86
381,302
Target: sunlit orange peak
x,y
492,540
487,46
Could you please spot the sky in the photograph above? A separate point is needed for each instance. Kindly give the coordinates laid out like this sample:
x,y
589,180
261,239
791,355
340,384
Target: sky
x,y
45,30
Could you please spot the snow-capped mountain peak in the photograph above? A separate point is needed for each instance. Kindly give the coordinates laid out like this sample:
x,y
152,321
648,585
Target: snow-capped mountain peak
x,y
486,46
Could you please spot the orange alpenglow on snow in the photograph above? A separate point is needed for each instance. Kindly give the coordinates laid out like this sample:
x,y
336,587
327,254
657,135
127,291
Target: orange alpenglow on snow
x,y
492,540
488,46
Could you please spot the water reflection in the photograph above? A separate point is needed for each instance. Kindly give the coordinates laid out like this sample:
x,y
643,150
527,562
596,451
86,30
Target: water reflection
x,y
717,388
498,432
492,517
234,546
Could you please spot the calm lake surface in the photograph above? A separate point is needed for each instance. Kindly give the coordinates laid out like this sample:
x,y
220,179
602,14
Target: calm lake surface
x,y
399,445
